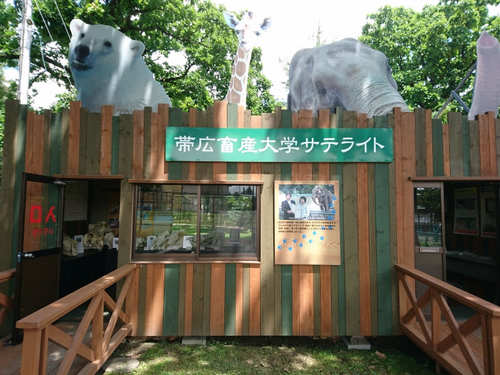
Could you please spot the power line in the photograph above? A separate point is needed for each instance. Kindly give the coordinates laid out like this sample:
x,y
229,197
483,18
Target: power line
x,y
50,34
62,19
43,19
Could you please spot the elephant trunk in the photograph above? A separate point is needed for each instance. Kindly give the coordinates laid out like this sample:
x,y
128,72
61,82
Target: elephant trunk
x,y
377,99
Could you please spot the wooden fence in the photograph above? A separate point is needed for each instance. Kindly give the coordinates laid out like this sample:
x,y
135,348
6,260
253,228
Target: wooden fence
x,y
359,297
96,348
467,347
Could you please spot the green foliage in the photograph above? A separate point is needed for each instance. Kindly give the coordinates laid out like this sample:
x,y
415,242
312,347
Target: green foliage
x,y
195,29
431,51
64,100
7,91
259,99
9,42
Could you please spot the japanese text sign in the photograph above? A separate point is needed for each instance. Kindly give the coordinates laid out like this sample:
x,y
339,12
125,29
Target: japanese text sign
x,y
279,145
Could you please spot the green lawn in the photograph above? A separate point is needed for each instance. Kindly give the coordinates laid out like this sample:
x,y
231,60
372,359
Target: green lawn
x,y
278,356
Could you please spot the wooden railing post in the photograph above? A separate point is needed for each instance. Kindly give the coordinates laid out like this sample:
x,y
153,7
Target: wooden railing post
x,y
494,344
98,329
131,303
436,319
32,352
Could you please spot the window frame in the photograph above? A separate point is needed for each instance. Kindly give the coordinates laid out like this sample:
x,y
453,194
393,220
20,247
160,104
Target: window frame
x,y
431,249
197,257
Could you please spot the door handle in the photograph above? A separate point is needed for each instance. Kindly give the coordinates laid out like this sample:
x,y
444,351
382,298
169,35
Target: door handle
x,y
21,255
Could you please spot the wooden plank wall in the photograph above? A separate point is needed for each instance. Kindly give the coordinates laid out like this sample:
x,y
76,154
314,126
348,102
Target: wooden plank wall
x,y
359,297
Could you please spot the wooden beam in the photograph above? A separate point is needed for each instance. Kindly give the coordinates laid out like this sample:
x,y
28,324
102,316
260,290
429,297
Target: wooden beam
x,y
494,344
422,301
420,316
61,338
30,360
79,336
466,328
48,314
106,139
7,275
462,343
457,294
98,330
114,316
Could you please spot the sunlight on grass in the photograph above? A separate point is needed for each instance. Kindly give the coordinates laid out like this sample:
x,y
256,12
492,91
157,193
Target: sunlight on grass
x,y
298,357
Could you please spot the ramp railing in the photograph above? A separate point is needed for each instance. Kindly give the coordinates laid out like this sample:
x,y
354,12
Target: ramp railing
x,y
96,343
6,302
470,345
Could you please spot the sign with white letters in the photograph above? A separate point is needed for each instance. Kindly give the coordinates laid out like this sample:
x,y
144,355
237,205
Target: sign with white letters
x,y
279,145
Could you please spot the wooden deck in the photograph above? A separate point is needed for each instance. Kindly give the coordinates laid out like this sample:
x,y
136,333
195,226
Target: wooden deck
x,y
462,346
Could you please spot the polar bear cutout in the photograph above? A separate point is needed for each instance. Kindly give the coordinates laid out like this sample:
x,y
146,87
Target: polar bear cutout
x,y
108,69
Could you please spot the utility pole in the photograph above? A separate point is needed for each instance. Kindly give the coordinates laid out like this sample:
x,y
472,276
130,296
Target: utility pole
x,y
26,34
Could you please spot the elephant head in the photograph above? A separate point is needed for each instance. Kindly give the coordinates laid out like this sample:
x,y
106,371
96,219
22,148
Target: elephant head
x,y
346,74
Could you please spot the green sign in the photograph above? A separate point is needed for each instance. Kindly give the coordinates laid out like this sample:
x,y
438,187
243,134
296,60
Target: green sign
x,y
279,145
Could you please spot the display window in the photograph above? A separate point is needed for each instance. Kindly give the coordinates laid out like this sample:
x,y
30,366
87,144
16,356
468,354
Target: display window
x,y
197,222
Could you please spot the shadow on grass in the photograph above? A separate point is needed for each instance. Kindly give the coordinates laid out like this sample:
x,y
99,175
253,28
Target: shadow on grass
x,y
281,356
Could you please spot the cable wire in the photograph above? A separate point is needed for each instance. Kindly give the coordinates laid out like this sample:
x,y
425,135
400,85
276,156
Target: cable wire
x,y
50,35
43,19
62,19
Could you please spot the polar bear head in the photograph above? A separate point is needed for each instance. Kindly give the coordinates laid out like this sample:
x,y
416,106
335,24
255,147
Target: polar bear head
x,y
108,68
100,51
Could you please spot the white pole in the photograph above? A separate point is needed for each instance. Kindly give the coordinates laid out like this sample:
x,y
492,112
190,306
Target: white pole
x,y
24,56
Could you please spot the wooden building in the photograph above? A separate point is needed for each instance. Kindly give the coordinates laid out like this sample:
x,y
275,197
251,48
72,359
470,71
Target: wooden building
x,y
252,295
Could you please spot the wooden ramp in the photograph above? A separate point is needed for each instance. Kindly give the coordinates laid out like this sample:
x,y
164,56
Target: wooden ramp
x,y
462,346
94,339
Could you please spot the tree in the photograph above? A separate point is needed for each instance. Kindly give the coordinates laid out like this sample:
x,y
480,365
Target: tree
x,y
259,99
431,51
193,28
7,91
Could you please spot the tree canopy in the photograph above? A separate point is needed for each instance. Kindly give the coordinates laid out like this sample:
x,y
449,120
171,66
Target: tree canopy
x,y
431,51
194,31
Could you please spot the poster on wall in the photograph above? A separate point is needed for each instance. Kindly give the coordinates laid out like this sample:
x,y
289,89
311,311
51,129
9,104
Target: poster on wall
x,y
488,214
306,222
466,211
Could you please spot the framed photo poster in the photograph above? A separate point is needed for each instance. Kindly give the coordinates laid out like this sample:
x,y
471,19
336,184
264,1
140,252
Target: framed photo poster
x,y
466,211
306,222
488,214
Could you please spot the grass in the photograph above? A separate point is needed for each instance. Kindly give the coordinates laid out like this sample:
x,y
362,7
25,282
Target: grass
x,y
394,355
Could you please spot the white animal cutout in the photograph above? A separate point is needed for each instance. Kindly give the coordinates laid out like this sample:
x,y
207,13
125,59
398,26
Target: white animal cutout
x,y
248,30
347,74
108,69
487,85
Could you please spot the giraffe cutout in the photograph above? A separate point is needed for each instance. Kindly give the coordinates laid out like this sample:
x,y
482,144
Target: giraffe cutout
x,y
248,29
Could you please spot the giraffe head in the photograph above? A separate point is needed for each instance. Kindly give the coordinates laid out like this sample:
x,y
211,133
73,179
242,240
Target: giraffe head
x,y
248,28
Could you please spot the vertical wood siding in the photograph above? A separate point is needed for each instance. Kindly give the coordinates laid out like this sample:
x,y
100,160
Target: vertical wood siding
x,y
357,297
